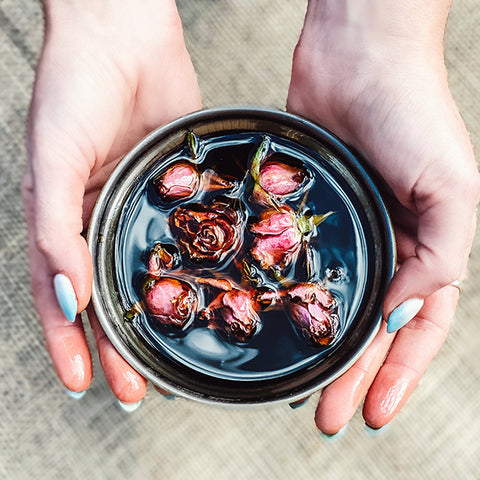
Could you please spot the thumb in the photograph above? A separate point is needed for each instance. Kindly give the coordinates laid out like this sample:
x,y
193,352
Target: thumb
x,y
446,227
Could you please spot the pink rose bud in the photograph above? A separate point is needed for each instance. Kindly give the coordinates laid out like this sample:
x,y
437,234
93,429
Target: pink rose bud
x,y
279,179
311,307
233,312
170,301
277,239
179,181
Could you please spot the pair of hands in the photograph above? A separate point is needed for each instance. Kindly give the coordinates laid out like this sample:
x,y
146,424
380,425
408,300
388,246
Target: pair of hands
x,y
109,74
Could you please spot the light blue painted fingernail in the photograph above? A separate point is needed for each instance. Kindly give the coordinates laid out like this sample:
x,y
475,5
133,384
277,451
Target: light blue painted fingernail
x,y
299,403
403,314
66,296
75,395
336,436
169,396
128,407
374,432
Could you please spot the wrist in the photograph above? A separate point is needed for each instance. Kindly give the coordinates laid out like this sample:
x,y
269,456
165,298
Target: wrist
x,y
102,13
377,30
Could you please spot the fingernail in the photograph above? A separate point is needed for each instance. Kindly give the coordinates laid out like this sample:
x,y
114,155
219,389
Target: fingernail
x,y
75,395
66,296
299,403
374,432
403,314
169,396
334,437
128,407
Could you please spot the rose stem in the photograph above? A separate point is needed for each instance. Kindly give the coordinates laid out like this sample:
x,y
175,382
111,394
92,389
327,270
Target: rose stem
x,y
216,182
216,283
308,259
309,264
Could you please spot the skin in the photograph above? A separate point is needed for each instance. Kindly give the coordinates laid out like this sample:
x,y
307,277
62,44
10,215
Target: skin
x,y
352,74
110,72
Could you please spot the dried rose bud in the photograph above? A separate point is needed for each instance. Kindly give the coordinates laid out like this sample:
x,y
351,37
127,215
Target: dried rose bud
x,y
311,307
162,257
277,239
180,181
233,312
208,232
170,301
279,179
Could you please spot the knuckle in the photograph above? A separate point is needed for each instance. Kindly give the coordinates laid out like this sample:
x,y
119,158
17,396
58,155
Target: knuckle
x,y
451,271
27,187
43,240
435,328
447,269
467,184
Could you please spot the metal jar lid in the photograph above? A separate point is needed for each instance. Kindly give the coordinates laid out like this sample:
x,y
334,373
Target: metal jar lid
x,y
179,378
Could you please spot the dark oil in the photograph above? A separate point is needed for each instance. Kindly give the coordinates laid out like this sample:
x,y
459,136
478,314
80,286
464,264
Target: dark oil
x,y
341,246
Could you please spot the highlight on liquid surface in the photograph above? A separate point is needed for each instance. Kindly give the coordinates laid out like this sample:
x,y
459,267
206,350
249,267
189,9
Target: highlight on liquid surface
x,y
242,256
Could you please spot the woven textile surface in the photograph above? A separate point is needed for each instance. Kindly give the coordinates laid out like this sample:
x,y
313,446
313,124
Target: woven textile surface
x,y
242,52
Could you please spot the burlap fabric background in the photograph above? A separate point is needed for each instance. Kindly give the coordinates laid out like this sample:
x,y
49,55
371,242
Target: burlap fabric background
x,y
242,51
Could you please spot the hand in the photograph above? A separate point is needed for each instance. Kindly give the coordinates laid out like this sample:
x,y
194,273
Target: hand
x,y
372,71
109,73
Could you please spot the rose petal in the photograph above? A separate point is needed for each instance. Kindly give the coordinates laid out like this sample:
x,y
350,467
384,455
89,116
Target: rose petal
x,y
239,302
310,306
233,312
273,222
307,292
278,250
171,301
207,232
179,181
279,178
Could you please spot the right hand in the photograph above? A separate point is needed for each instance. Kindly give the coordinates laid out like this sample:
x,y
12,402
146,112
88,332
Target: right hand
x,y
109,73
373,72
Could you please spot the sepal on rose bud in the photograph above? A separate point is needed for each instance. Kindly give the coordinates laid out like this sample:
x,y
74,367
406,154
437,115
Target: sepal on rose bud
x,y
193,142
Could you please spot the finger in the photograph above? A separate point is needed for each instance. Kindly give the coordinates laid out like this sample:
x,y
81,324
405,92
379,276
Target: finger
x,y
414,347
126,384
57,187
340,400
165,393
444,237
65,340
